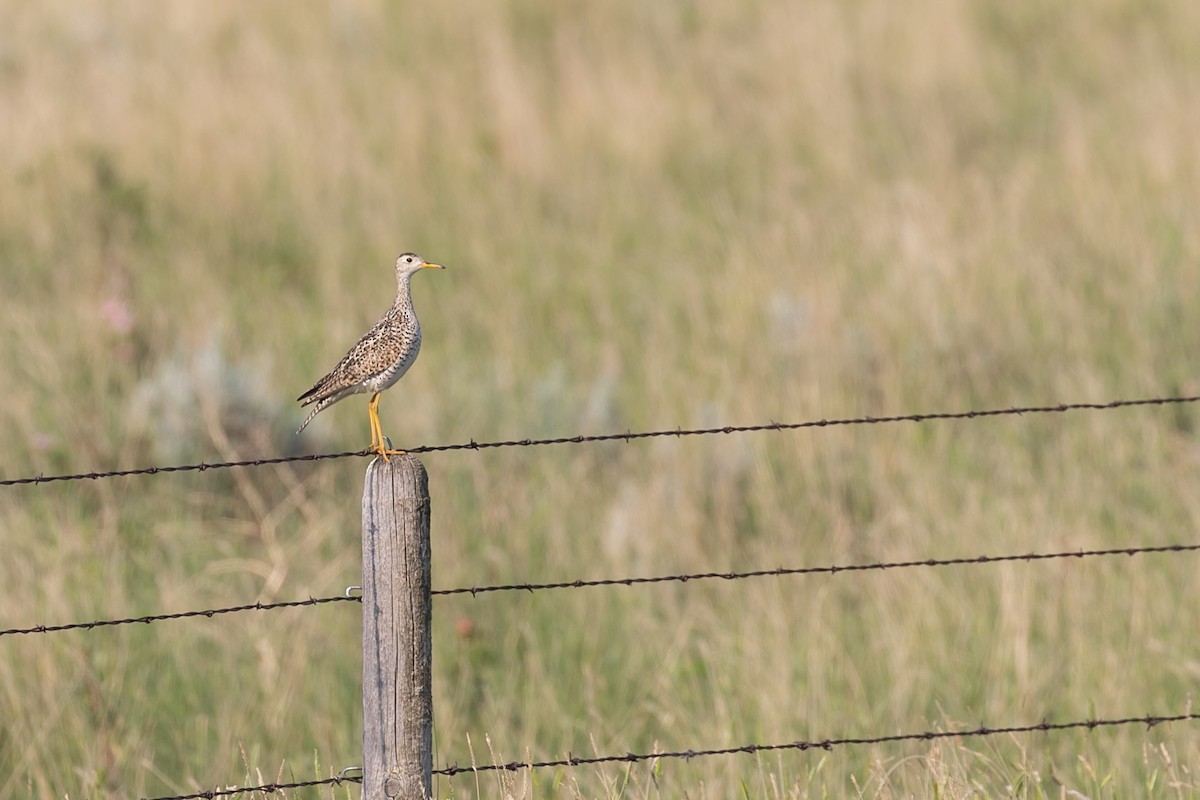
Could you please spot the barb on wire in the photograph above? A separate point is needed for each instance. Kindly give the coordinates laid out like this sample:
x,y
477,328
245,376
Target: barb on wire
x,y
628,436
582,584
824,744
268,788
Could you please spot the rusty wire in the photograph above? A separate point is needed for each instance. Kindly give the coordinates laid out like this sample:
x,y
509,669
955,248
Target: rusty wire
x,y
1044,726
828,570
582,584
628,436
163,470
208,612
266,788
824,744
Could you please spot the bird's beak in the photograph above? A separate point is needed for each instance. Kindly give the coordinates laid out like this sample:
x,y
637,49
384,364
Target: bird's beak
x,y
427,265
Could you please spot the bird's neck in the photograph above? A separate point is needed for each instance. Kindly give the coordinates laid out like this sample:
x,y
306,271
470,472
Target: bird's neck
x,y
403,301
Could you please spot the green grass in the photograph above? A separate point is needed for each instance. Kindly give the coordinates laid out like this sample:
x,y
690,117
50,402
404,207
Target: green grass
x,y
654,215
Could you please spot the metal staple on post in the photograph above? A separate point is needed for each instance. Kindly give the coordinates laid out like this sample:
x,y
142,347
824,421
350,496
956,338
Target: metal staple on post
x,y
396,604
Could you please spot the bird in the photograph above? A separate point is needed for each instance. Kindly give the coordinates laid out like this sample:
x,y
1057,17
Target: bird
x,y
378,360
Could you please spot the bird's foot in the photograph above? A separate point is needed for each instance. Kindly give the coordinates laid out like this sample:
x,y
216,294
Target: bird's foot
x,y
385,449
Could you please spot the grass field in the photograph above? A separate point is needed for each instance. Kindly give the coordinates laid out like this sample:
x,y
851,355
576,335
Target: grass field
x,y
654,214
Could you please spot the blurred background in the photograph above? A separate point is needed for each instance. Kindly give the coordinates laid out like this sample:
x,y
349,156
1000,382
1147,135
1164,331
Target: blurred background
x,y
653,215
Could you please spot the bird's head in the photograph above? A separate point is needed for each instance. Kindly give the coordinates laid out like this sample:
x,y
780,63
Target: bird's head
x,y
409,263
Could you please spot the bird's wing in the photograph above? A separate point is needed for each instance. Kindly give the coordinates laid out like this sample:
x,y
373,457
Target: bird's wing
x,y
363,361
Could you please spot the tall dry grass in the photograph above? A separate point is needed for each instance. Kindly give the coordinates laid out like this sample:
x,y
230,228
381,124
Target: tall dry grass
x,y
654,215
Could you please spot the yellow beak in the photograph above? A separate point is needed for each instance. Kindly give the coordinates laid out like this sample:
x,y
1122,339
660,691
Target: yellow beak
x,y
427,265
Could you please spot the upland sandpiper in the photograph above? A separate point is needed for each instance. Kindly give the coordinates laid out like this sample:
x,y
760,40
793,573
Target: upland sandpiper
x,y
380,358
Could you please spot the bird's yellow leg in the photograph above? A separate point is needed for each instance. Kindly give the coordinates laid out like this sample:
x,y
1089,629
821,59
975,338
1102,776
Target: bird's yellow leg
x,y
376,429
371,420
383,442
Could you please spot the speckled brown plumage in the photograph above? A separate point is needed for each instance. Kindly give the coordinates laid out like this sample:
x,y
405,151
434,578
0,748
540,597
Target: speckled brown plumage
x,y
379,358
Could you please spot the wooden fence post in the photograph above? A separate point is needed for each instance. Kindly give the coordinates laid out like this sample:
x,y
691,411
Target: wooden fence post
x,y
397,696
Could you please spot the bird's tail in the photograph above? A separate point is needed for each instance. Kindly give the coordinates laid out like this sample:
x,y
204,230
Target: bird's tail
x,y
317,409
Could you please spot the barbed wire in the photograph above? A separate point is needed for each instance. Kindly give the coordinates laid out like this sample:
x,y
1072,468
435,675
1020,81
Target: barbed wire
x,y
628,436
825,744
161,470
266,788
208,612
830,570
1149,720
582,584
